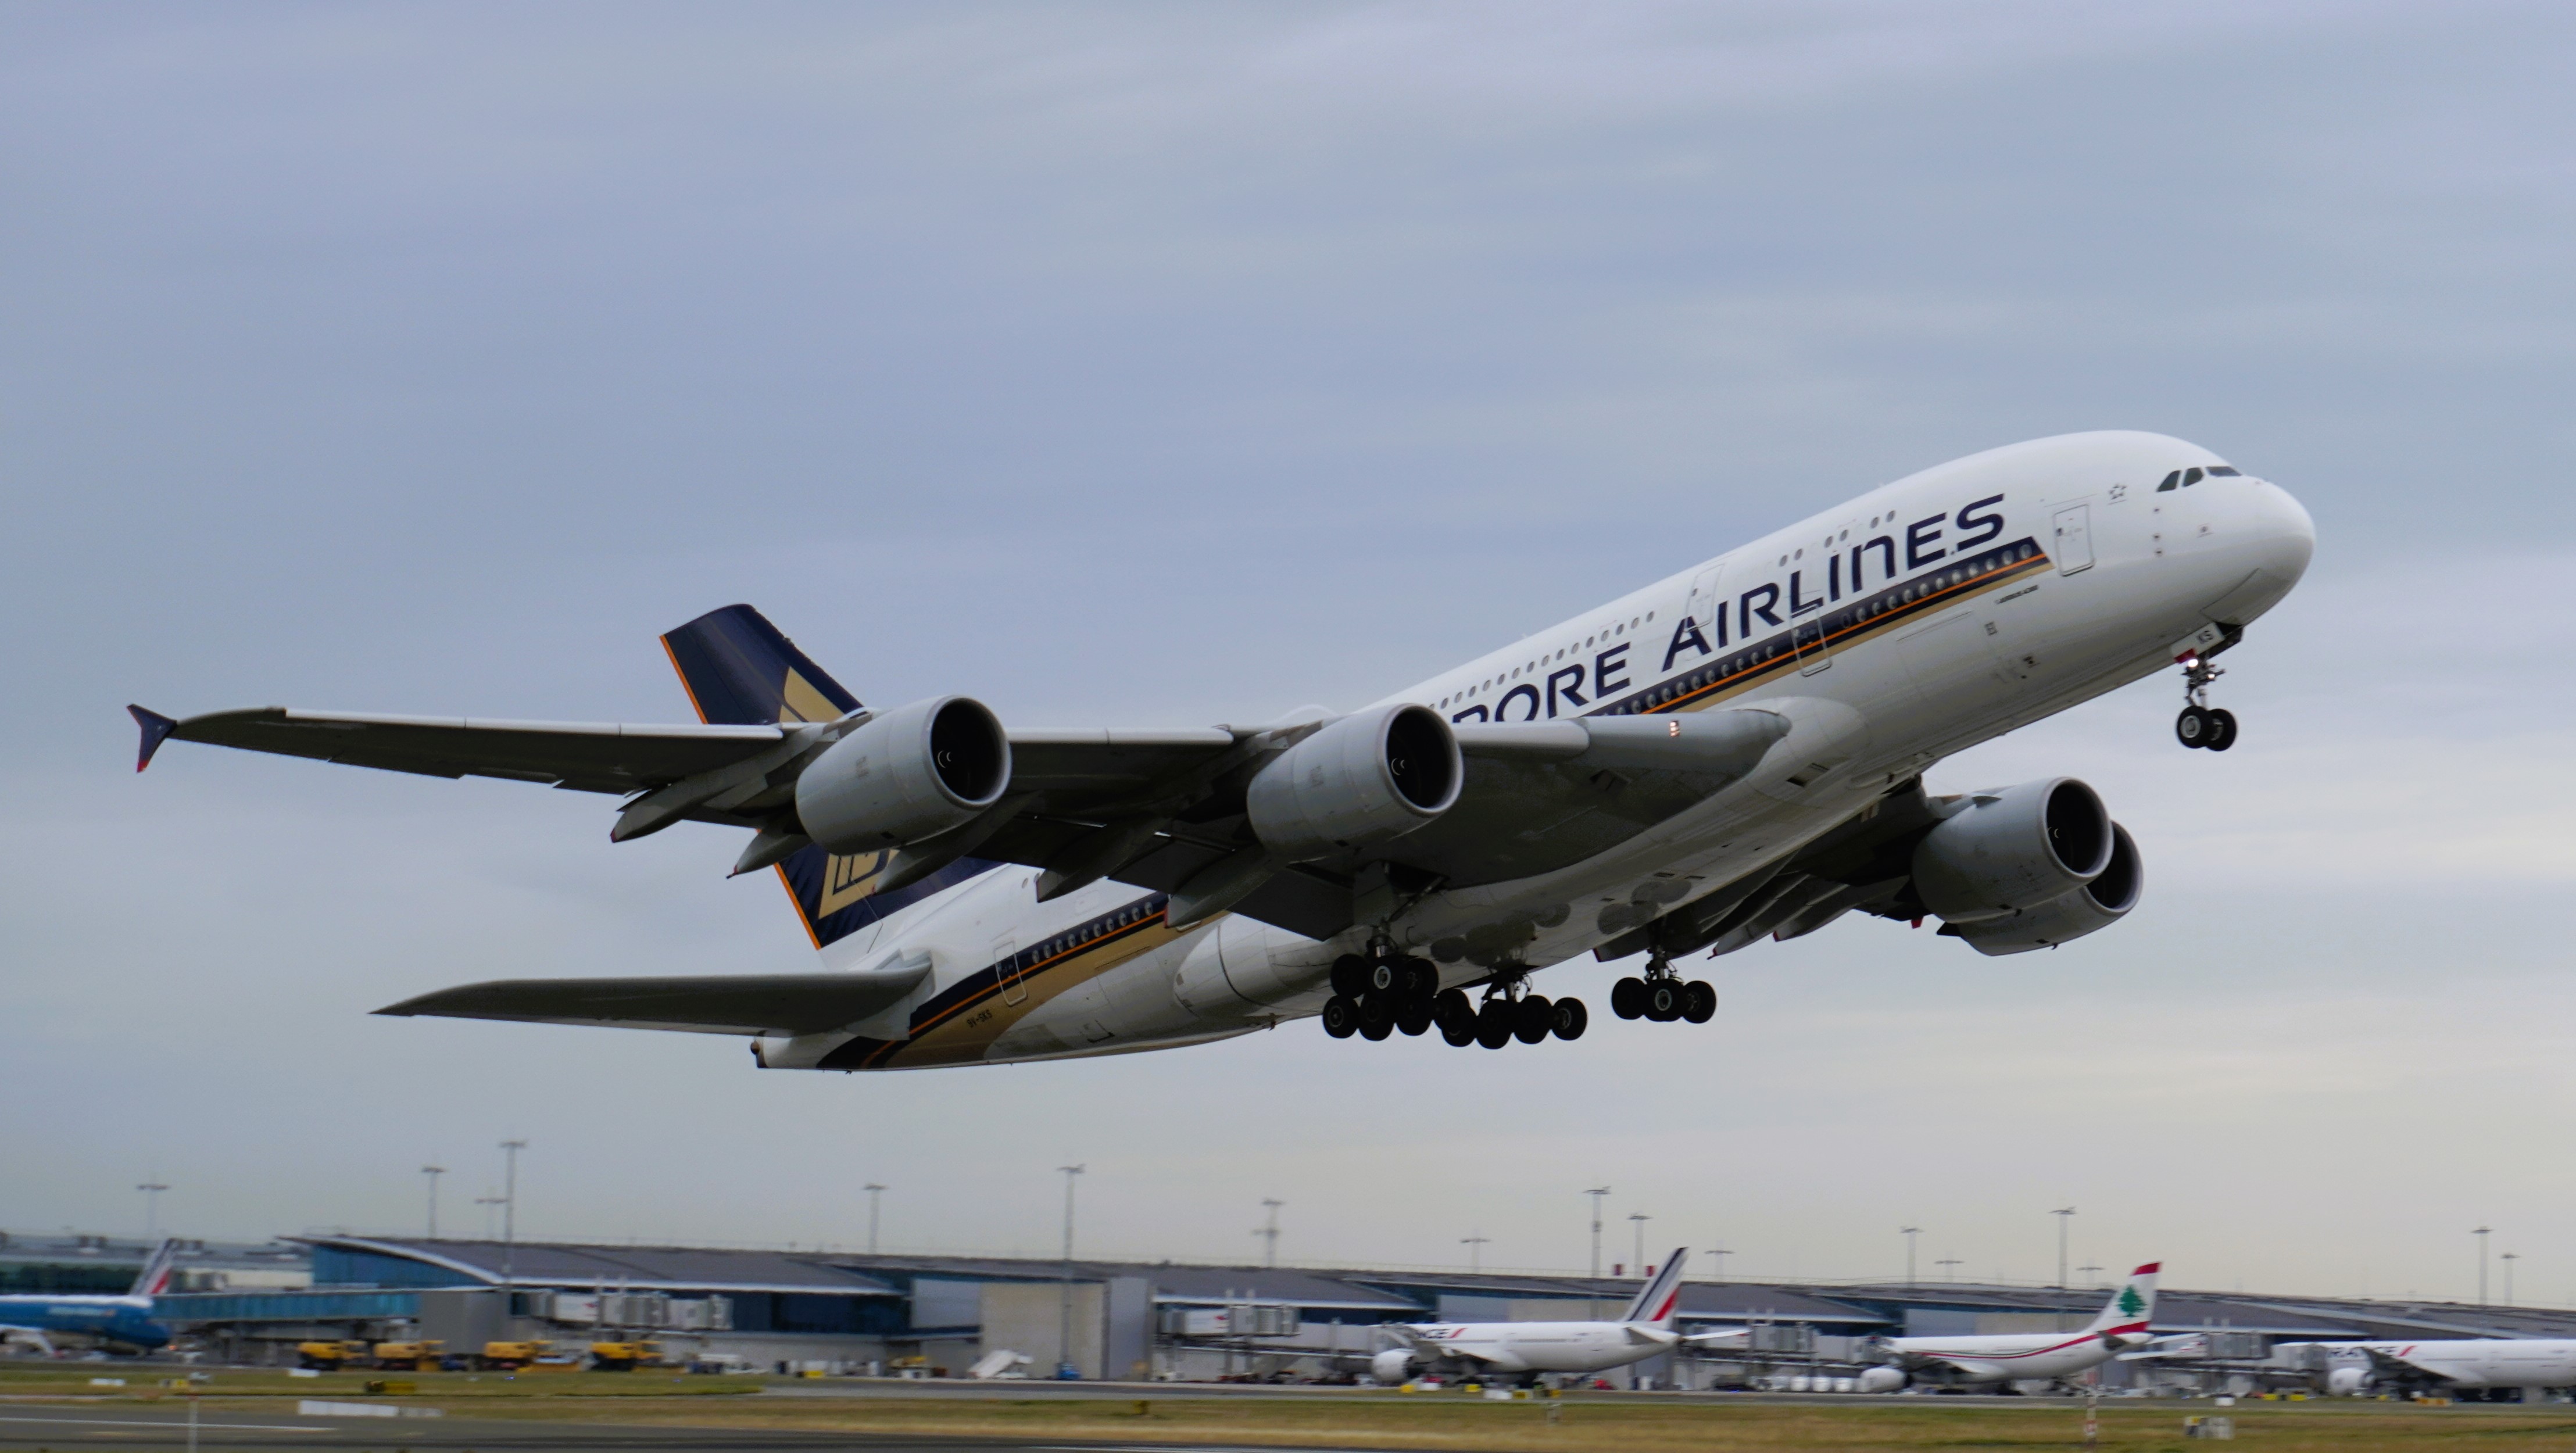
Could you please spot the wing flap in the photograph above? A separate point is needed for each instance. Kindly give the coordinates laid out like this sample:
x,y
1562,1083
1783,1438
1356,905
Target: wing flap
x,y
585,756
701,1004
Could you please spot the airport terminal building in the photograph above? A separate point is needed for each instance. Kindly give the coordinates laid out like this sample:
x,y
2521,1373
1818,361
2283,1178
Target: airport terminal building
x,y
843,1312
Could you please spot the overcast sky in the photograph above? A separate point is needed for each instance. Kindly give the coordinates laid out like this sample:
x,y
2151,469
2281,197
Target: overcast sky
x,y
1149,365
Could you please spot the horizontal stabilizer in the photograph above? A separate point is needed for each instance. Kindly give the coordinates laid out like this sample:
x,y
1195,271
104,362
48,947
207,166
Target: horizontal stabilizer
x,y
709,1004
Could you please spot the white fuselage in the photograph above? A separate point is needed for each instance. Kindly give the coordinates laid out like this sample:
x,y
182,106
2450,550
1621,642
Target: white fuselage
x,y
2485,1361
1541,1346
2121,572
2006,1357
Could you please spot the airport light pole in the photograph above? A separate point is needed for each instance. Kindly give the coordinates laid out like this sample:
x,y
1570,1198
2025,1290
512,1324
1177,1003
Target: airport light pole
x,y
509,1212
1064,1368
1269,1233
433,1172
152,1188
1475,1251
2508,1258
1947,1264
2097,1281
2063,1215
875,1192
1719,1254
1596,1193
491,1205
1640,1218
2481,1233
1909,1233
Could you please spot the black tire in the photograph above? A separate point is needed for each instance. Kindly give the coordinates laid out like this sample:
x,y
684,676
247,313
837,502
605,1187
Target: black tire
x,y
1385,976
1350,976
1452,1011
1341,1016
1571,1017
1460,1035
1424,978
1628,998
1413,1016
1532,1018
2192,728
1664,1001
1378,1013
2222,730
1378,1030
1699,1001
1494,1023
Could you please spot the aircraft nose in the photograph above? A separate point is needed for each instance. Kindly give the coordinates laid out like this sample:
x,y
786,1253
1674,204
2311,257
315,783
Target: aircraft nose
x,y
2283,535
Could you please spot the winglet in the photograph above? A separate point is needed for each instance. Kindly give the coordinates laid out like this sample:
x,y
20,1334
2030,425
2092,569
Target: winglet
x,y
156,730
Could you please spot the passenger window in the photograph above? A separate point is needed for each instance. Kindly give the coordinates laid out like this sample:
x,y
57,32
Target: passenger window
x,y
2190,477
2171,480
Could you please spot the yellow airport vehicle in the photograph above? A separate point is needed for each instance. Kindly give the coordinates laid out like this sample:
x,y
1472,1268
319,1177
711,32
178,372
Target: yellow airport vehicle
x,y
329,1356
510,1356
624,1356
410,1356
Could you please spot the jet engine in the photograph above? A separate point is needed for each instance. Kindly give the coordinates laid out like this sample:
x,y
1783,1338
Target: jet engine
x,y
2013,849
1371,776
2348,1382
2096,905
905,775
1882,1379
1394,1367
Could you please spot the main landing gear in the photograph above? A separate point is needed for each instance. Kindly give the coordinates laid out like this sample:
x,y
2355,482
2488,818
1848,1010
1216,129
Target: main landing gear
x,y
2201,725
1662,997
1377,993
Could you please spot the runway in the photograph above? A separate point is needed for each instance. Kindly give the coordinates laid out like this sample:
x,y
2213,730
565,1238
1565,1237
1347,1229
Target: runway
x,y
266,1432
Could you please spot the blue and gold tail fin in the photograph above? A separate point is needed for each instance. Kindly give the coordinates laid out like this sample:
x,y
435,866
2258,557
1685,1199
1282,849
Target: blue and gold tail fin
x,y
742,671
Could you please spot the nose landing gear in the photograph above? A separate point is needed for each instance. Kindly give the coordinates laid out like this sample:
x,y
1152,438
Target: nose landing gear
x,y
2200,724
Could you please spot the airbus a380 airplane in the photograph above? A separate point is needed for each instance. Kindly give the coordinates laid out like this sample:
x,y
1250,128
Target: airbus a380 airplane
x,y
2014,1356
1732,752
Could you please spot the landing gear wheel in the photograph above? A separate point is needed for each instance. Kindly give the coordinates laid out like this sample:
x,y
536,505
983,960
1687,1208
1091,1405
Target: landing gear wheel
x,y
1699,1001
1376,1029
1341,1016
2222,730
1451,1011
1628,998
1532,1018
1377,1016
1570,1017
1413,1016
1388,976
2193,728
1422,978
1663,1001
1494,1024
1460,1035
1350,976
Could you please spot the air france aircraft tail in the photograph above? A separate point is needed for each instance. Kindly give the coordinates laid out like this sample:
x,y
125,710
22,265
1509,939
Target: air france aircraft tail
x,y
2134,1306
1656,1300
155,1277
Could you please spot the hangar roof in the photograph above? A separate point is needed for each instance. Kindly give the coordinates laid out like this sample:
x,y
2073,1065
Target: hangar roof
x,y
647,1268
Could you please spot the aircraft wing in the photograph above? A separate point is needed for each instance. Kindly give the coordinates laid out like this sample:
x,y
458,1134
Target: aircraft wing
x,y
704,1004
584,756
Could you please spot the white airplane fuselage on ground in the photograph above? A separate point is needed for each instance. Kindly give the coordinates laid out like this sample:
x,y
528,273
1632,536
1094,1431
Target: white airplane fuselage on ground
x,y
1643,1330
2017,1356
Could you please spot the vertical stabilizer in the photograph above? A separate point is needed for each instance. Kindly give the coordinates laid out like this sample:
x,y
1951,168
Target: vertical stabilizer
x,y
2134,1305
1656,1300
742,671
155,1277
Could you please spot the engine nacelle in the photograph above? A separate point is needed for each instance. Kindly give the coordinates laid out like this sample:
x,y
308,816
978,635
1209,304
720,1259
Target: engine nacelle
x,y
1882,1379
2013,849
1371,776
905,775
2097,905
1394,1367
2348,1382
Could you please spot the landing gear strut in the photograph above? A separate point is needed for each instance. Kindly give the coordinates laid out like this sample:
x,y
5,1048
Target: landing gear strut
x,y
1382,991
2200,724
1662,997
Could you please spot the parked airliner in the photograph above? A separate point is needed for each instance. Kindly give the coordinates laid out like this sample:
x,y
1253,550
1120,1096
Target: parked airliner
x,y
118,1321
2012,1357
1523,1350
2462,1367
1732,753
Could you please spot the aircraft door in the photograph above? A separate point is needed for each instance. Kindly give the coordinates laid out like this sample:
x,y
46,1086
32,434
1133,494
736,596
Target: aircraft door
x,y
1006,960
2072,539
1807,638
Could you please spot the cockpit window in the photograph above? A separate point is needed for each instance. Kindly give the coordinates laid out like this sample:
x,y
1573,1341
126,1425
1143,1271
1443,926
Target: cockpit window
x,y
2223,471
2190,477
2171,480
